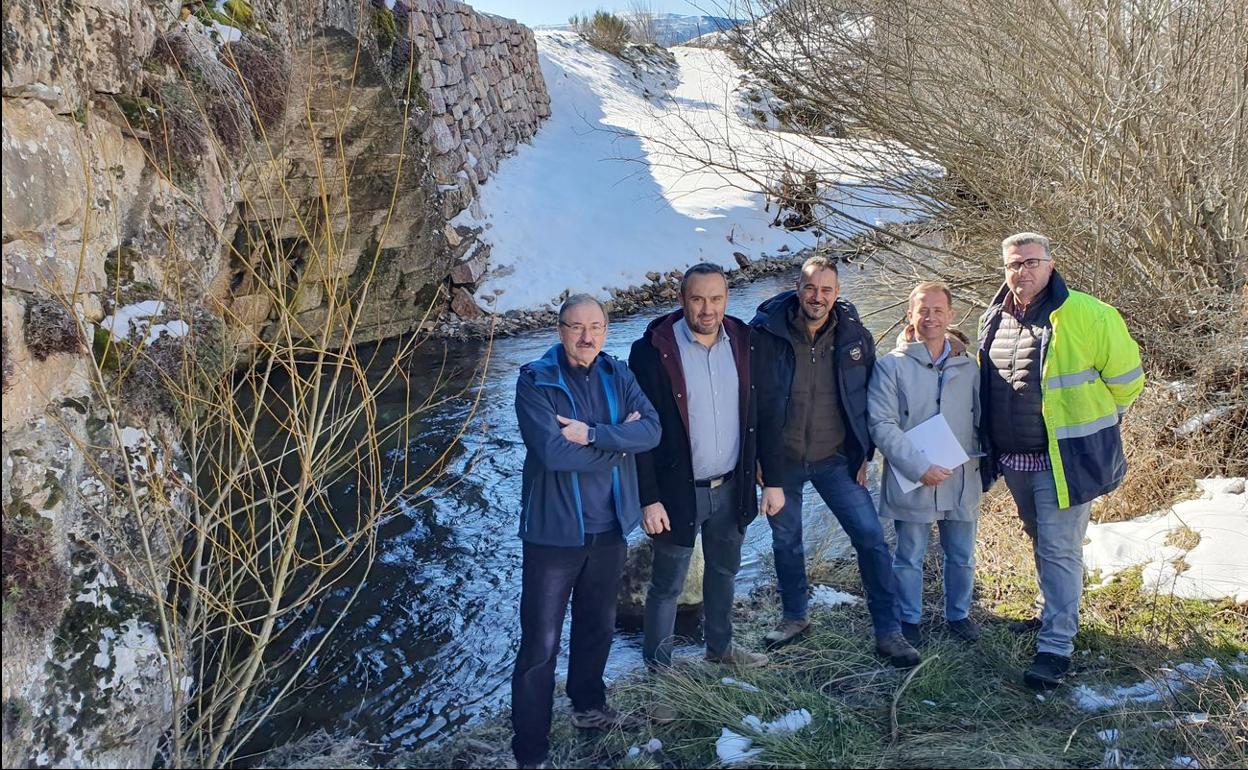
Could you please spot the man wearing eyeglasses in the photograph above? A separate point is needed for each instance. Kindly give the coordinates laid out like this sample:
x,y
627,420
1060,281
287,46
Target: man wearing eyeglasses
x,y
583,419
1058,369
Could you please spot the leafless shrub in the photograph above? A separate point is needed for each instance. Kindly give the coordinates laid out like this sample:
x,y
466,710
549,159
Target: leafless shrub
x,y
51,328
796,195
603,30
1114,127
177,130
1187,429
641,22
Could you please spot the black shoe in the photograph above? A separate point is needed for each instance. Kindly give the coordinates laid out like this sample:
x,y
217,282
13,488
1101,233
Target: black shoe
x,y
964,630
1046,671
912,633
1028,626
897,651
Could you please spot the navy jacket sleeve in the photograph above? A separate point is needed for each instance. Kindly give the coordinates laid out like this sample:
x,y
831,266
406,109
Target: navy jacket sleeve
x,y
540,430
638,436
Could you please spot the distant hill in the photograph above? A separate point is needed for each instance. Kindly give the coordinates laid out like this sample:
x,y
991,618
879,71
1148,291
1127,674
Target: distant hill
x,y
673,28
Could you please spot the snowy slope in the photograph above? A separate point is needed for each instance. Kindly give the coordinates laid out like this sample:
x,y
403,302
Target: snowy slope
x,y
628,176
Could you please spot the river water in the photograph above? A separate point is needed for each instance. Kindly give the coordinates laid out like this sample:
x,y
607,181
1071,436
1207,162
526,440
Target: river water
x,y
430,642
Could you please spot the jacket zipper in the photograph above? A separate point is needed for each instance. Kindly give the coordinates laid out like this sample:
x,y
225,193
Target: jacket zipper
x,y
576,479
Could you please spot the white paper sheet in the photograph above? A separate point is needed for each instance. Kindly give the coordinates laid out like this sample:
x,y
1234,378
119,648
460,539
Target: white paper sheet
x,y
936,441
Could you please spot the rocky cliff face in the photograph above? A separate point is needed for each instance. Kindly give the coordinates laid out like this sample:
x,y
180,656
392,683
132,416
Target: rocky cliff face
x,y
177,171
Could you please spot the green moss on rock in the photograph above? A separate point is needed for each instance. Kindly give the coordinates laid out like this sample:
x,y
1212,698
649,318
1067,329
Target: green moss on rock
x,y
386,29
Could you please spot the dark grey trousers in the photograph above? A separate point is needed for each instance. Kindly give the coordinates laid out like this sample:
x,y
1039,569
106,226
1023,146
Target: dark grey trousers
x,y
721,549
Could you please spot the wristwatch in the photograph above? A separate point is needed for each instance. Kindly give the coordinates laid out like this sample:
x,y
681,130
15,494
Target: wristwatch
x,y
592,434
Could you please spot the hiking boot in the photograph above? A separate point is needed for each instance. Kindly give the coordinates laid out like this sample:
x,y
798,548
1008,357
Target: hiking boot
x,y
739,657
786,631
912,633
604,718
1028,626
1046,671
897,650
661,714
965,630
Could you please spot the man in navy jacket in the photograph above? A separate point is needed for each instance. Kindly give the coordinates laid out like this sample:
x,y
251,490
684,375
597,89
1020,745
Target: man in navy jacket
x,y
583,419
815,393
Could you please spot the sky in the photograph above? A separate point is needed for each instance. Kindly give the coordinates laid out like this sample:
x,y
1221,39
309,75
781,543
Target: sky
x,y
533,12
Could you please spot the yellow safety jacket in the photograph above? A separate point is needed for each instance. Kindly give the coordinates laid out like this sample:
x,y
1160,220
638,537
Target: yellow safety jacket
x,y
1091,373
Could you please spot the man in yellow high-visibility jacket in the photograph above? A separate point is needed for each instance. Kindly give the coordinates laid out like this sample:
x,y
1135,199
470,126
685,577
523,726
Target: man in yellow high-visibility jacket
x,y
1059,367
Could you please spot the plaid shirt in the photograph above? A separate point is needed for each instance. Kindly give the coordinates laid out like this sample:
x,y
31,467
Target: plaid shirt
x,y
1023,462
1026,462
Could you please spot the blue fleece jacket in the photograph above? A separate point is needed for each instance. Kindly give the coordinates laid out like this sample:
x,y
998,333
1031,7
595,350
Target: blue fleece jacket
x,y
551,509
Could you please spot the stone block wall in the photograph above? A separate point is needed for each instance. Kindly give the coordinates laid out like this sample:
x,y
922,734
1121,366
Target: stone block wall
x,y
485,92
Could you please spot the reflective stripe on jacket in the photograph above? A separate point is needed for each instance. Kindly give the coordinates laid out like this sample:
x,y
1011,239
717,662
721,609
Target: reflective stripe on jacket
x,y
1091,374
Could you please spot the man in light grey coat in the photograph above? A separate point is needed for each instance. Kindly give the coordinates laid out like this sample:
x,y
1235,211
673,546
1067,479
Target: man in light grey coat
x,y
929,373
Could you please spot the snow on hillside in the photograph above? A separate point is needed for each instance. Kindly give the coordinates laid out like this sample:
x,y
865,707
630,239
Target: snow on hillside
x,y
631,174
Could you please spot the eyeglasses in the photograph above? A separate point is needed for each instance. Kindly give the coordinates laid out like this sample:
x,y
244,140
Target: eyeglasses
x,y
1030,264
578,329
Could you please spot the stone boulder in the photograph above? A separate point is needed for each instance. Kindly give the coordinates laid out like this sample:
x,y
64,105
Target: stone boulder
x,y
632,599
469,270
463,304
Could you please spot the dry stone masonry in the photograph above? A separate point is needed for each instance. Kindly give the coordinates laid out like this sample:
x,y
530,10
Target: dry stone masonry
x,y
485,89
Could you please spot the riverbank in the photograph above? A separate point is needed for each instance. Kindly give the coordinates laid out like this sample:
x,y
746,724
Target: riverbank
x,y
1185,660
662,289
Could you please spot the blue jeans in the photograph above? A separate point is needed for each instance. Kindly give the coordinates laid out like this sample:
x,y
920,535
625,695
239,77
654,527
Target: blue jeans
x,y
852,505
957,540
589,576
721,549
1057,544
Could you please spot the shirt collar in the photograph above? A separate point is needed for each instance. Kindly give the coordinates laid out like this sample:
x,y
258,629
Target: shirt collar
x,y
944,354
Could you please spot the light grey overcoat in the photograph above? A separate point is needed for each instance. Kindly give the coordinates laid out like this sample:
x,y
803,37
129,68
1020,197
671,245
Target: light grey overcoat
x,y
907,389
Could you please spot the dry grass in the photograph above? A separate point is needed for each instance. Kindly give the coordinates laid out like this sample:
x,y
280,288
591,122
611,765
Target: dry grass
x,y
51,328
35,586
1192,427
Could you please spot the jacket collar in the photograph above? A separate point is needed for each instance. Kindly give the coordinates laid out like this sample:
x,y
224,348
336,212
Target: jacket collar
x,y
661,332
918,351
546,370
773,315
